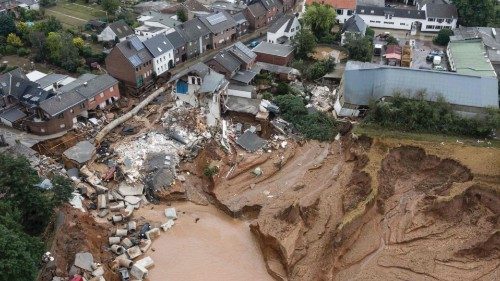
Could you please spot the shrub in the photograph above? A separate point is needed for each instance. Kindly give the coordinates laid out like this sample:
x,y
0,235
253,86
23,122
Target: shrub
x,y
443,37
391,40
23,52
210,171
370,33
267,96
319,125
10,50
283,89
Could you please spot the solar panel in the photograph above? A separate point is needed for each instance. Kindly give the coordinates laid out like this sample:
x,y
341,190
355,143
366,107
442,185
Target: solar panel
x,y
217,18
245,50
136,43
135,60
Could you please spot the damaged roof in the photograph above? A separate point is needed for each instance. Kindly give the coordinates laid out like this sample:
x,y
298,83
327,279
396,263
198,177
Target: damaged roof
x,y
211,80
250,141
80,152
61,102
226,60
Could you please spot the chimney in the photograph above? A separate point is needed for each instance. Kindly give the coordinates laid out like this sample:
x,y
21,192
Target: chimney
x,y
85,84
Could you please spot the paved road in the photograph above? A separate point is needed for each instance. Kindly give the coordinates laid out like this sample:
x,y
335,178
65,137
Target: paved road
x,y
262,32
11,135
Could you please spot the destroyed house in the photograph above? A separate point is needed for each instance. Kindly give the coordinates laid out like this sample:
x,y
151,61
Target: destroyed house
x,y
236,63
200,86
131,63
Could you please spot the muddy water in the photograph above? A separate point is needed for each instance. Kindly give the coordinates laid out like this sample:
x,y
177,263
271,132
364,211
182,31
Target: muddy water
x,y
216,247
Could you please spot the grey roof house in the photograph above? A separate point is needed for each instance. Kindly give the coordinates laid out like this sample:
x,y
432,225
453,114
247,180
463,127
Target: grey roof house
x,y
196,35
354,26
116,30
222,28
179,44
366,82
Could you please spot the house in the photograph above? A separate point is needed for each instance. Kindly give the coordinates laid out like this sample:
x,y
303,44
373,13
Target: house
x,y
26,106
287,5
191,8
163,53
468,57
224,63
222,28
273,9
274,53
95,25
393,55
229,7
131,63
197,37
242,24
283,30
179,44
202,87
158,19
354,26
236,63
53,81
246,56
344,8
8,5
29,4
430,18
488,35
117,30
256,15
150,6
145,32
363,83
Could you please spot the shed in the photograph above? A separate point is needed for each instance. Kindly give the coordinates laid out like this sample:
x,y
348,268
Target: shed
x,y
274,53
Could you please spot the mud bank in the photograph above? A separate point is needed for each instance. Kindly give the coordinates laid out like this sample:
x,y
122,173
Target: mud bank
x,y
204,244
362,209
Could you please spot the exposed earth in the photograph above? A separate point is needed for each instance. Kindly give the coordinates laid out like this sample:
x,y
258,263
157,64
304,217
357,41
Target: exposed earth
x,y
354,209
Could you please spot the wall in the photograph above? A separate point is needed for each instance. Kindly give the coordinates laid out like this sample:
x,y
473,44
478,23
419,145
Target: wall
x,y
223,38
110,95
107,35
274,59
382,22
54,125
273,37
255,22
160,64
120,68
344,14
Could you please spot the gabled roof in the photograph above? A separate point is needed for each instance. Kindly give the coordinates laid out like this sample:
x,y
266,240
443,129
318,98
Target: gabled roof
x,y
364,82
228,6
165,19
50,79
355,24
395,12
443,11
285,20
218,22
192,30
226,60
121,29
158,45
273,49
95,86
61,102
240,18
268,4
257,9
134,50
193,5
337,4
421,3
242,52
176,39
78,82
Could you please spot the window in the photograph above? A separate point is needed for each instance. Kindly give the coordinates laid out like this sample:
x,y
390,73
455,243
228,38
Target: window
x,y
62,125
350,12
429,26
111,89
440,20
402,23
431,19
388,22
82,105
101,95
60,116
449,20
339,12
91,99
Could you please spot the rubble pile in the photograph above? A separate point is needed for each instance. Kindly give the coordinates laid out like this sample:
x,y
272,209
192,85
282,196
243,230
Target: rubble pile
x,y
321,99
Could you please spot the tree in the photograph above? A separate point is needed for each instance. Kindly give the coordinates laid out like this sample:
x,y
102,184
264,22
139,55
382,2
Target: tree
x,y
110,6
181,15
7,24
391,40
37,40
78,42
62,188
304,43
443,37
14,40
320,18
475,12
360,48
53,45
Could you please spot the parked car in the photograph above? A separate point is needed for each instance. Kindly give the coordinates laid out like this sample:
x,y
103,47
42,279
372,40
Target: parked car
x,y
437,53
429,57
254,44
439,68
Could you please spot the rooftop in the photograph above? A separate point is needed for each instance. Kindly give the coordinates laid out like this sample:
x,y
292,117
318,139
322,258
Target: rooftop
x,y
218,22
121,29
273,49
470,58
158,45
285,20
396,12
355,24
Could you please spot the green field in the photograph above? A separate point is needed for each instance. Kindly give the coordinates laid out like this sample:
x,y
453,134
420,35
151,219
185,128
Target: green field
x,y
75,14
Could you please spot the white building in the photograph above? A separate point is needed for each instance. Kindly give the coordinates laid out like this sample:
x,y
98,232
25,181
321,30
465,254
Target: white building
x,y
158,19
145,32
163,53
430,18
118,29
283,30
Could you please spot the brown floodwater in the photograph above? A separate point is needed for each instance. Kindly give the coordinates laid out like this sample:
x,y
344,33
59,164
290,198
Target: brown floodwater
x,y
216,247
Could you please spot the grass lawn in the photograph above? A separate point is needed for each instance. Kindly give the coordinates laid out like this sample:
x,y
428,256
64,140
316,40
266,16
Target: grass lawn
x,y
375,131
75,14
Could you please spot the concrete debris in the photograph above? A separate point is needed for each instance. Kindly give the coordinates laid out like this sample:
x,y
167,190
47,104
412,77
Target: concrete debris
x,y
76,201
102,201
121,232
103,213
134,252
118,206
98,272
84,260
126,243
250,141
113,240
145,245
257,171
166,226
170,213
129,210
117,218
90,177
128,190
133,200
45,184
132,226
80,152
145,262
153,233
181,178
117,249
132,155
322,98
138,272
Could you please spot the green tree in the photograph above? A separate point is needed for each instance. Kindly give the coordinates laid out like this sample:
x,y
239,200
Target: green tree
x,y
68,54
7,24
181,15
20,256
14,40
443,37
62,188
391,40
17,185
37,41
53,45
360,48
475,12
110,6
304,43
78,42
320,18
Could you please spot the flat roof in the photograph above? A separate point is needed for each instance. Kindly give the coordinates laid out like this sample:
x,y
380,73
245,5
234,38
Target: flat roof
x,y
470,58
273,49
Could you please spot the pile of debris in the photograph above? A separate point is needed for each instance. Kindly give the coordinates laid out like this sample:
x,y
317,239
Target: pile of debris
x,y
321,99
